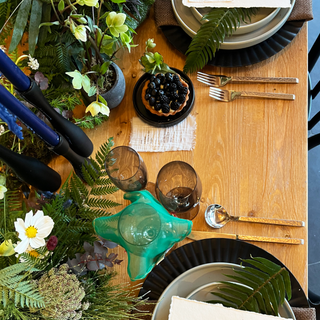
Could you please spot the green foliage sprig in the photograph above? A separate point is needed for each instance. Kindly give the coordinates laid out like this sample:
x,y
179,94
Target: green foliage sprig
x,y
221,23
261,288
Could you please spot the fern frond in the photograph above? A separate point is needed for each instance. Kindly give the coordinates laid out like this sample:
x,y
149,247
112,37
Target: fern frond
x,y
13,286
100,191
222,22
260,289
101,203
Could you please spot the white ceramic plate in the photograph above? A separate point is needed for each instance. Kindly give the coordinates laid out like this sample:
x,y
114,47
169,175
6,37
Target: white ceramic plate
x,y
263,17
203,293
196,277
191,25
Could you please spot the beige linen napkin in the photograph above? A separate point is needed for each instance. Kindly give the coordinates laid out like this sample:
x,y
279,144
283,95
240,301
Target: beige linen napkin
x,y
164,15
300,313
146,138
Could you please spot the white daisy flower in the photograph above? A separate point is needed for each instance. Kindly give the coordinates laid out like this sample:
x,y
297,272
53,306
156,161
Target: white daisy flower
x,y
33,230
2,130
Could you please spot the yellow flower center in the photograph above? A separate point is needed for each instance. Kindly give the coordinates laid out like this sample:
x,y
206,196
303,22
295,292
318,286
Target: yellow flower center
x,y
31,232
34,253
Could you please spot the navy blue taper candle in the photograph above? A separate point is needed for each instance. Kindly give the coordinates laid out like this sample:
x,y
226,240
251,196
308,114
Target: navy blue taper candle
x,y
28,117
13,73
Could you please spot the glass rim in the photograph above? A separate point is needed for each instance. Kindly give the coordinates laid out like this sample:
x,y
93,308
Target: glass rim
x,y
194,171
134,244
132,150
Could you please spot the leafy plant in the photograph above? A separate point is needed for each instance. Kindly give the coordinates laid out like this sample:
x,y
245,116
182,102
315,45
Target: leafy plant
x,y
153,62
221,23
29,9
261,288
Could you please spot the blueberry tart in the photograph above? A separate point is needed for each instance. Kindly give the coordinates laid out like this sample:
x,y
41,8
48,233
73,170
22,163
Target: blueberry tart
x,y
165,94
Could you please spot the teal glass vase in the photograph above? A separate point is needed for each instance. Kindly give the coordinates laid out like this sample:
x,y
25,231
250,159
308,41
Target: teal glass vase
x,y
144,229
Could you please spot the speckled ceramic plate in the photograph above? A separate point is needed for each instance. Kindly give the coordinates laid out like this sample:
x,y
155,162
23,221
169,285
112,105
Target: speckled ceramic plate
x,y
259,20
191,25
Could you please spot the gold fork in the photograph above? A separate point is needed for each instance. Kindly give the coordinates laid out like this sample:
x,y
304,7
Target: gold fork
x,y
220,80
230,95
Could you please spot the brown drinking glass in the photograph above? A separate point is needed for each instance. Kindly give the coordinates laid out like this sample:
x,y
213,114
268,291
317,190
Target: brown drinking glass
x,y
178,188
126,169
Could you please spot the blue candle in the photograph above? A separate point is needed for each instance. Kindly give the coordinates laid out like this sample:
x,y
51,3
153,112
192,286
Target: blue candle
x,y
28,117
13,73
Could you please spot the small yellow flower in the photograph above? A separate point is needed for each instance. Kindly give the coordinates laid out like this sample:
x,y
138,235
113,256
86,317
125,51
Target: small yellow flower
x,y
95,107
6,248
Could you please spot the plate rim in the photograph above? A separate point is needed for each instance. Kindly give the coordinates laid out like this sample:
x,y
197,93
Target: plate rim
x,y
246,28
242,43
201,252
209,266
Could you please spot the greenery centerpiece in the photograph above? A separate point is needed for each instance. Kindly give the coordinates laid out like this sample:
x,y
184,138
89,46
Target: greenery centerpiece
x,y
73,42
51,264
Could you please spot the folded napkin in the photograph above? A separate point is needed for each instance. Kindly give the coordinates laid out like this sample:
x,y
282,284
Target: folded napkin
x,y
164,15
146,138
300,313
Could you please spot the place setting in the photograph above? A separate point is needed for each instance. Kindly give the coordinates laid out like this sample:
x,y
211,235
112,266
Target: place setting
x,y
269,31
194,270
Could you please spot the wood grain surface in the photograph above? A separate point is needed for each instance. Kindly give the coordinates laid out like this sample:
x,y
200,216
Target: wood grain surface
x,y
251,154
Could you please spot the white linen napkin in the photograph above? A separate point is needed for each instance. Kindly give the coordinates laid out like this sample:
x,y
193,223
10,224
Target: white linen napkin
x,y
146,138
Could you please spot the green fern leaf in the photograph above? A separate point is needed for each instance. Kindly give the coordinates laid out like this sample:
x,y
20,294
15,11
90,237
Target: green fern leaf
x,y
260,289
12,284
221,23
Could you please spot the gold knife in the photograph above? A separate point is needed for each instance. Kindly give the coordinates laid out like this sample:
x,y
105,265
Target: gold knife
x,y
200,235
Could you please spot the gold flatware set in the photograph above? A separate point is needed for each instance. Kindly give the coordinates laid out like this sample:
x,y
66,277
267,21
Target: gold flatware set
x,y
216,81
216,217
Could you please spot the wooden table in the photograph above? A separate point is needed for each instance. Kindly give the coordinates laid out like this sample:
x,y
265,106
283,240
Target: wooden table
x,y
251,154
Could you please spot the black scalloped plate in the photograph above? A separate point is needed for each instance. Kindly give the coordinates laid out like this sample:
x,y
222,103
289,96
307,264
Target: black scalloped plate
x,y
240,57
154,120
207,251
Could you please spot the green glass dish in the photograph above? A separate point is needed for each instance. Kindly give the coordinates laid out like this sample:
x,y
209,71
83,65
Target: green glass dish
x,y
144,229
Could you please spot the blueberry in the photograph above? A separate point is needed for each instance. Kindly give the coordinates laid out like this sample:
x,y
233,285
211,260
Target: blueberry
x,y
183,90
182,98
179,85
175,105
151,85
157,106
160,75
165,108
152,101
174,96
166,85
176,78
160,92
147,96
154,92
169,77
164,99
173,86
152,78
157,81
